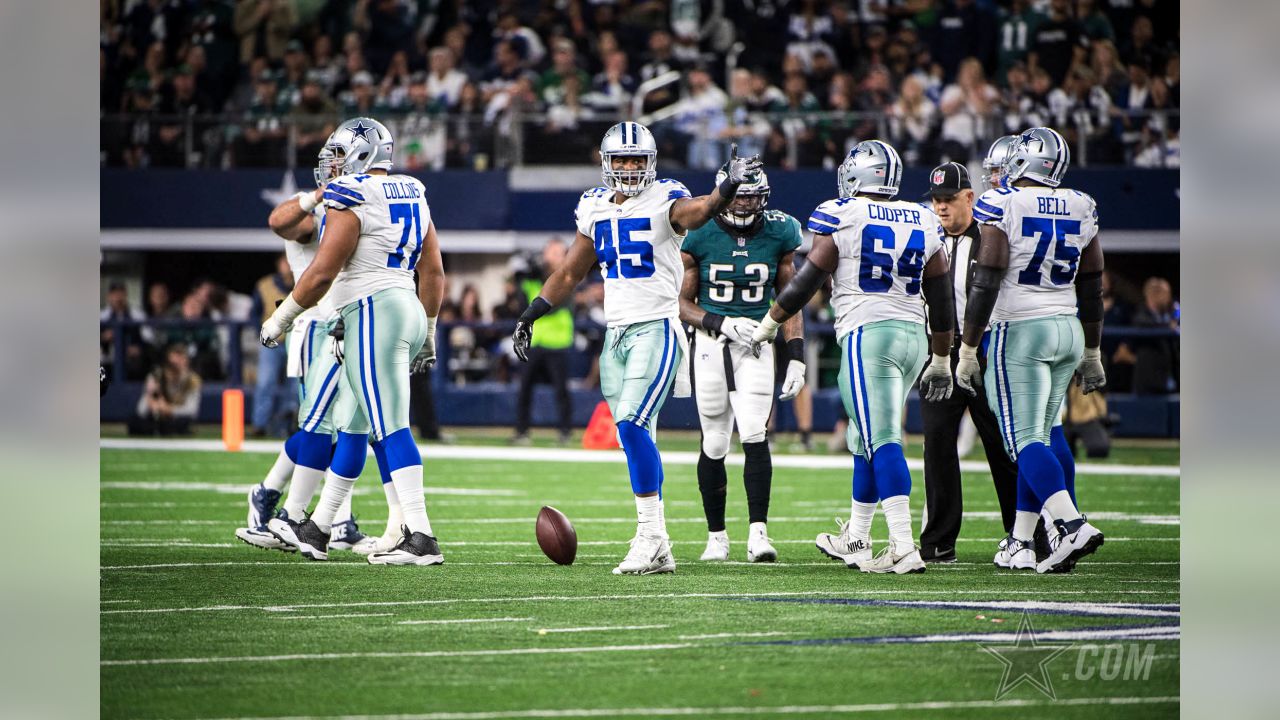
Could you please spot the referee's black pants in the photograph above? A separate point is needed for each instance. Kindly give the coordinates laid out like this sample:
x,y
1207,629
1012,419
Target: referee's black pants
x,y
943,499
554,366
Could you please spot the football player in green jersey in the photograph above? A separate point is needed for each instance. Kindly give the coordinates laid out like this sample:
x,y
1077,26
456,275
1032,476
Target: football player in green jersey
x,y
732,268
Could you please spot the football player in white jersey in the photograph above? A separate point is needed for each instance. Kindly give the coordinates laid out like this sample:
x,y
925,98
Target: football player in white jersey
x,y
1038,282
883,254
377,228
631,228
302,464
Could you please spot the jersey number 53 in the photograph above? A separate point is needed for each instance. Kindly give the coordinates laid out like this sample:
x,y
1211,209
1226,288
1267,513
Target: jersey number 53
x,y
619,254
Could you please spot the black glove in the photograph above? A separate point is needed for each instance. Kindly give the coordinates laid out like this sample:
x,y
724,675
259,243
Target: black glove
x,y
521,338
339,334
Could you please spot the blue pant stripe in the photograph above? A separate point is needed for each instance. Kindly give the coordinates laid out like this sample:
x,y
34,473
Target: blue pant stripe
x,y
373,371
1004,371
312,419
652,395
866,405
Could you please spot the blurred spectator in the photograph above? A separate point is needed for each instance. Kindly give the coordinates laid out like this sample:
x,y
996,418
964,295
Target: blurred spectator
x,y
274,395
326,66
1156,368
502,73
1016,32
1104,60
178,104
388,29
362,100
1058,42
548,354
444,81
159,303
213,36
170,398
700,120
526,43
1087,421
1094,22
264,27
420,134
394,90
963,30
313,116
612,87
966,105
911,122
563,116
262,141
747,126
119,310
564,64
659,60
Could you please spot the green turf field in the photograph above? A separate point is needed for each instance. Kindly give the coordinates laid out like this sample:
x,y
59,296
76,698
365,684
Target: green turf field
x,y
197,625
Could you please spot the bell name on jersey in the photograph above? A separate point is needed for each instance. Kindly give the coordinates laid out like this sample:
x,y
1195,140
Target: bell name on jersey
x,y
884,247
737,273
637,250
1048,229
394,216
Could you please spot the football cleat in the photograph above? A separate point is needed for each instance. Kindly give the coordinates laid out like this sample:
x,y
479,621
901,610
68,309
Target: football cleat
x,y
1076,539
649,554
843,547
385,542
717,547
414,548
262,538
1015,554
940,555
759,549
262,505
887,561
306,536
345,535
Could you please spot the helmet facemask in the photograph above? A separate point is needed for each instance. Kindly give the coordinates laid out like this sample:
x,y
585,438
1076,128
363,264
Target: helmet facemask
x,y
326,167
630,182
745,209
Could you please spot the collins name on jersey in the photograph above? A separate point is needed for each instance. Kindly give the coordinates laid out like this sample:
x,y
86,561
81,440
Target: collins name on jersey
x,y
884,247
637,249
394,216
1048,228
737,273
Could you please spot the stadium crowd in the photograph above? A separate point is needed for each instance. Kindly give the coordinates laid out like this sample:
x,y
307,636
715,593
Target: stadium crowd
x,y
261,82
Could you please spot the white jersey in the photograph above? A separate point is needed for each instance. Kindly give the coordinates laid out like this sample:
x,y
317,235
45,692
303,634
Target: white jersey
x,y
393,215
299,256
884,246
637,249
1048,228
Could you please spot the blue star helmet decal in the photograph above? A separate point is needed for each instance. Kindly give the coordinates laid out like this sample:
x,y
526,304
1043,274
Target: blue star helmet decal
x,y
360,130
1026,137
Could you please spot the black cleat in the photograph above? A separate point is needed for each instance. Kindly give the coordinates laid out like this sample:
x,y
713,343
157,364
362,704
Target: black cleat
x,y
414,549
310,540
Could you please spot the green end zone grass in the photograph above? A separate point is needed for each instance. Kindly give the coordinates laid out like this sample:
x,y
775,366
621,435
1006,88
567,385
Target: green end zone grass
x,y
196,624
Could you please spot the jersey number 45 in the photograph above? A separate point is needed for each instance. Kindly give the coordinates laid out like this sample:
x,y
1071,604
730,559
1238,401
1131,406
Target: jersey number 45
x,y
620,255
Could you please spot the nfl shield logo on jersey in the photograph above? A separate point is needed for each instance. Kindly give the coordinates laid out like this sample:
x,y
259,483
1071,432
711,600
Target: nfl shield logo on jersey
x,y
742,242
938,177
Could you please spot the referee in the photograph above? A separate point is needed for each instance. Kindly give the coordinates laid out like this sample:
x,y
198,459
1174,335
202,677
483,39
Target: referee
x,y
952,195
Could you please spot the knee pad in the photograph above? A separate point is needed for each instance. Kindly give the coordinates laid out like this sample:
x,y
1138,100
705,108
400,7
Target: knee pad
x,y
715,445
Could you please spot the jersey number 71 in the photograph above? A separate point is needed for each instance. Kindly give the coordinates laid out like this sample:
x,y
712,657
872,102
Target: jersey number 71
x,y
406,213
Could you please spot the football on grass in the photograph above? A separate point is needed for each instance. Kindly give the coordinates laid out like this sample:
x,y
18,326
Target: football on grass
x,y
556,536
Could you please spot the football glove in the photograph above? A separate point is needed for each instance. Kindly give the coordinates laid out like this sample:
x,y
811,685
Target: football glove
x,y
1092,375
339,333
521,338
426,357
274,329
765,332
742,170
935,382
968,371
793,382
738,330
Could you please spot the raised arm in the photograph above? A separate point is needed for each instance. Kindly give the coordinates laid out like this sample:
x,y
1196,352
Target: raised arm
x,y
822,261
579,260
292,219
1089,302
693,213
342,231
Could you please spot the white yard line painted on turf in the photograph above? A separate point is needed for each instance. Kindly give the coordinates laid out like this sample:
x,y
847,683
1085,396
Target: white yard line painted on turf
x,y
165,543
110,602
718,636
1104,609
339,615
582,598
517,454
598,628
241,488
463,621
406,654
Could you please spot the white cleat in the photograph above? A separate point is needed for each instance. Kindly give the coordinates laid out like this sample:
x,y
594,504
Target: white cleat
x,y
759,549
887,561
385,542
717,547
649,555
1072,544
1015,555
262,538
843,547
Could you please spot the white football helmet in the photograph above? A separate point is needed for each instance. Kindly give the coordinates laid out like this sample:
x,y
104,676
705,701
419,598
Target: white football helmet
x,y
1041,154
359,145
873,166
997,156
756,195
629,139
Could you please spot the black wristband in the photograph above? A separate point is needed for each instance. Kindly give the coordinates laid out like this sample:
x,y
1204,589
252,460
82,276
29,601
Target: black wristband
x,y
711,322
728,189
795,349
536,309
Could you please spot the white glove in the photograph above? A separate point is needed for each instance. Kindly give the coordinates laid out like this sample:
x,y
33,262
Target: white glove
x,y
793,382
765,332
935,382
274,329
426,357
739,330
968,371
1092,375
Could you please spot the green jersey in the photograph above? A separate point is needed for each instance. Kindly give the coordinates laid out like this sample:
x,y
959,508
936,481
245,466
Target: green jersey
x,y
737,272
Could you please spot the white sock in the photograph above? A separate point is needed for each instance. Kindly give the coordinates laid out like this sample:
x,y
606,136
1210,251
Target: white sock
x,y
302,491
1024,525
1061,508
897,512
860,517
344,510
279,474
1048,519
394,517
649,515
336,489
413,504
